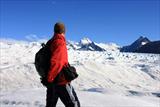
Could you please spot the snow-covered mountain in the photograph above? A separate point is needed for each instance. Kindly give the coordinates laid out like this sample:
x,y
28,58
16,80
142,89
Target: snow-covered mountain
x,y
136,44
151,47
143,45
108,77
86,44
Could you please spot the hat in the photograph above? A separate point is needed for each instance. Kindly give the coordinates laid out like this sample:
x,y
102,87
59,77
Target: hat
x,y
59,28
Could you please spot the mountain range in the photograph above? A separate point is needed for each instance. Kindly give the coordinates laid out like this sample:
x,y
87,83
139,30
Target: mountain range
x,y
141,45
86,44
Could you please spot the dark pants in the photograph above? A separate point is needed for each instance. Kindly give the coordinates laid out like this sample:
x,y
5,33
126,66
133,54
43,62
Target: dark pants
x,y
65,92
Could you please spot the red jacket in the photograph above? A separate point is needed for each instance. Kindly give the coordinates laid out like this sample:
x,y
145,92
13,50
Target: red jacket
x,y
59,58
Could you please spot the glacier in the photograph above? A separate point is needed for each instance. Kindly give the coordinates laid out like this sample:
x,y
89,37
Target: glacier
x,y
106,78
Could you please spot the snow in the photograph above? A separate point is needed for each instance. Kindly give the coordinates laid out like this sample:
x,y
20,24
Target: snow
x,y
108,78
85,41
143,43
36,98
109,46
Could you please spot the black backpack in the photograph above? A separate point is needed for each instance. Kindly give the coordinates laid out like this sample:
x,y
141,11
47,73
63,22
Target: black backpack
x,y
42,60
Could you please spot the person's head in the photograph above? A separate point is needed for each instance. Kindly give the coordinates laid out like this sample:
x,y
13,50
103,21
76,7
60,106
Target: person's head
x,y
59,28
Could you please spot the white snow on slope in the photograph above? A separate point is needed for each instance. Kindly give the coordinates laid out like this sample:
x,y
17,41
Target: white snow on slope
x,y
109,46
85,41
36,98
105,75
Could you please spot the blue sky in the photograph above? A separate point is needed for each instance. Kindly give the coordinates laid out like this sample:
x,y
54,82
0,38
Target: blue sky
x,y
119,21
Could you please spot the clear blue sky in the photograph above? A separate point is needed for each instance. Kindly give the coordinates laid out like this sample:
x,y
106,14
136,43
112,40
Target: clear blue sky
x,y
119,21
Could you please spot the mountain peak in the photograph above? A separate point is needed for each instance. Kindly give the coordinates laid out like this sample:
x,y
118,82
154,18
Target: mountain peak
x,y
136,44
87,44
85,41
142,39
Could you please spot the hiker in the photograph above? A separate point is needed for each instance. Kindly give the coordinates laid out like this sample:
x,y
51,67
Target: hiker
x,y
59,87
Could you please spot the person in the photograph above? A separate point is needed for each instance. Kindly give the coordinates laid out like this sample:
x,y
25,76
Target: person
x,y
59,87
